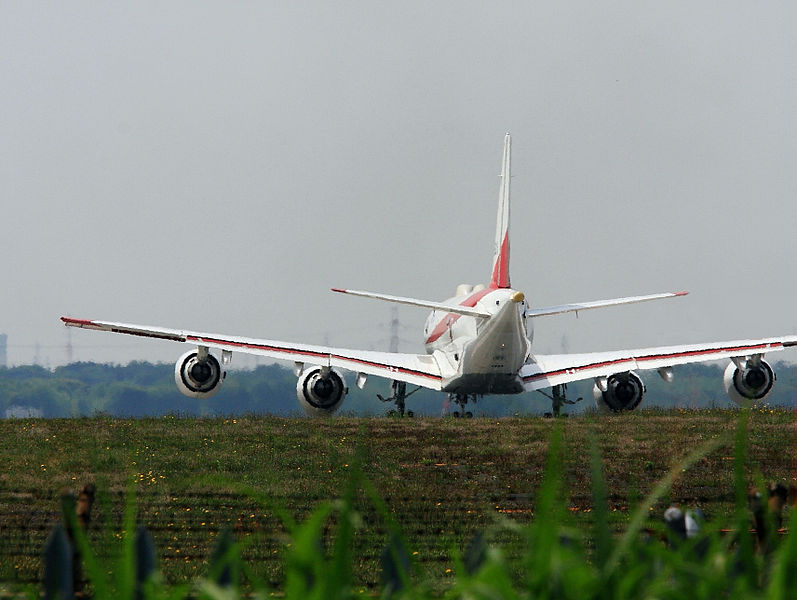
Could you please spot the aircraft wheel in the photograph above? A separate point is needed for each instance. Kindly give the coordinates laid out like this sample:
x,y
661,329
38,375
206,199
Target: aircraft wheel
x,y
410,413
455,414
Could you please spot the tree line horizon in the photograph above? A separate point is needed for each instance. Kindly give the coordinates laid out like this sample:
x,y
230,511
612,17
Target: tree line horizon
x,y
144,389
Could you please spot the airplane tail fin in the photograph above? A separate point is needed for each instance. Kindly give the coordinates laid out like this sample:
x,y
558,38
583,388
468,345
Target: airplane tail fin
x,y
500,276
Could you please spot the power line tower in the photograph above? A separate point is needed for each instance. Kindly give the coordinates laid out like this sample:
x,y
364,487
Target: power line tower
x,y
3,350
69,349
394,330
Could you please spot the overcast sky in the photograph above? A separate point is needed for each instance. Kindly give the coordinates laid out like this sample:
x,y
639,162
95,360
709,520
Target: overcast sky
x,y
219,166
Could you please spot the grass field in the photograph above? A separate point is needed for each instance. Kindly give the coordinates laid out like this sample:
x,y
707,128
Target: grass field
x,y
442,479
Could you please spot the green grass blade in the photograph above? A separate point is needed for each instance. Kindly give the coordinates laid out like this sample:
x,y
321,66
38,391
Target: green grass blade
x,y
57,578
640,515
395,567
306,564
600,514
146,561
94,571
783,576
224,562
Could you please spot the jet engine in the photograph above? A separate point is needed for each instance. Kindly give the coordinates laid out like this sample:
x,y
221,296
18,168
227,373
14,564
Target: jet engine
x,y
198,376
748,382
321,391
624,391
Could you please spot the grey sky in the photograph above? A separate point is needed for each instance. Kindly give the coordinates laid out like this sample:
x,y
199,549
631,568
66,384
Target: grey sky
x,y
220,166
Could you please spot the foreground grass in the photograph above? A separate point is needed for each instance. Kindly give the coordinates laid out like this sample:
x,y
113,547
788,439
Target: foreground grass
x,y
441,481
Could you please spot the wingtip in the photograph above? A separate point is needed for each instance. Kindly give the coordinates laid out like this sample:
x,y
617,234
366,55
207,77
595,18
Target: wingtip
x,y
338,290
680,293
77,322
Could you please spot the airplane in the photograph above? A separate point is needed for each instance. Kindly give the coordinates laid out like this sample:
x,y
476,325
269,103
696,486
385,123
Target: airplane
x,y
477,343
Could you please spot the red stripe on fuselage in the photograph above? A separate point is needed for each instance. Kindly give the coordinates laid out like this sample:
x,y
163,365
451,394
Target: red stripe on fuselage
x,y
451,318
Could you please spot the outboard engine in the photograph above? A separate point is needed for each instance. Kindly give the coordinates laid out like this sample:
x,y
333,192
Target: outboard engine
x,y
321,391
624,391
197,376
750,383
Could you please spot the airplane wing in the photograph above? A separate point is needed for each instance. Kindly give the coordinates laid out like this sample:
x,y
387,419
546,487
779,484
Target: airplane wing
x,y
578,306
553,369
417,369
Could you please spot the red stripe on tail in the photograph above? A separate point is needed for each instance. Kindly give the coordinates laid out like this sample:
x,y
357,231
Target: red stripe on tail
x,y
500,278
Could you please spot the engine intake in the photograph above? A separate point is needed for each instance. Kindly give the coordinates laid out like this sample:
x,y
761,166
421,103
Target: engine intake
x,y
320,393
624,391
198,377
750,385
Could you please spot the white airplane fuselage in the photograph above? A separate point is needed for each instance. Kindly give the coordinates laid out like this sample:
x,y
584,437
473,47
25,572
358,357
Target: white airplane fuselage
x,y
481,355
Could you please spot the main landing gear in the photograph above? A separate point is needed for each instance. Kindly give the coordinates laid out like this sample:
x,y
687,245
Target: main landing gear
x,y
461,400
558,398
398,395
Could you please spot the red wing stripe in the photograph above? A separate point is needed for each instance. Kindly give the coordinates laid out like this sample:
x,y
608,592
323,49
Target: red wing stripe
x,y
709,351
311,354
391,368
199,340
650,358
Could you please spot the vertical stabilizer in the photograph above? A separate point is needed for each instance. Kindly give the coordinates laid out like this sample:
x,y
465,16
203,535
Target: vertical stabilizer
x,y
500,277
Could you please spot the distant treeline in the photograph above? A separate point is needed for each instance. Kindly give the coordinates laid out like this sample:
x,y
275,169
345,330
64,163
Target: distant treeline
x,y
145,389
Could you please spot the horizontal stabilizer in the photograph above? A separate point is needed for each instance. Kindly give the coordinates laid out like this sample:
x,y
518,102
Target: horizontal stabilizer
x,y
577,306
470,311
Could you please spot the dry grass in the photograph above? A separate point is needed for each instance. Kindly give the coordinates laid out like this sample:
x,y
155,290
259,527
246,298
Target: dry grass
x,y
443,479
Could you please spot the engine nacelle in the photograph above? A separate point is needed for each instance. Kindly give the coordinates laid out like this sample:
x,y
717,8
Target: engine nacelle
x,y
198,377
750,385
624,391
320,393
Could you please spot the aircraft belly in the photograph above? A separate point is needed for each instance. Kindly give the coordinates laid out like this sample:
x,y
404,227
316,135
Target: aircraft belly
x,y
484,383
